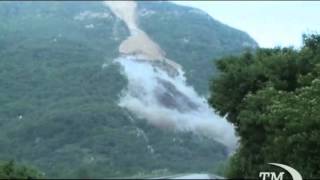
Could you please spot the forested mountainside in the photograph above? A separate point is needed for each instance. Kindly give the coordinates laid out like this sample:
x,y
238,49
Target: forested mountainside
x,y
59,88
192,38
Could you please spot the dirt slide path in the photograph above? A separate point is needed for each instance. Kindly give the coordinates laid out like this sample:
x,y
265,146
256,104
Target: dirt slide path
x,y
138,43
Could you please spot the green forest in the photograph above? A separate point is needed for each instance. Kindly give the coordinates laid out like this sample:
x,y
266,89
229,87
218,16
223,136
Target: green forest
x,y
272,96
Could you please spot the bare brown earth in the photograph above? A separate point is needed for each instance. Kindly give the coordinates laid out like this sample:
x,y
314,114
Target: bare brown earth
x,y
138,43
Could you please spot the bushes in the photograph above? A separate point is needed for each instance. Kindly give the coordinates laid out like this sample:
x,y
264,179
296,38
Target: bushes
x,y
10,170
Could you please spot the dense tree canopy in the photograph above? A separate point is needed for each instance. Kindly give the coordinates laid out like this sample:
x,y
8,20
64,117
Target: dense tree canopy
x,y
272,96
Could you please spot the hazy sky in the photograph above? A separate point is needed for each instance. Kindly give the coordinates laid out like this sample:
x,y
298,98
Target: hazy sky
x,y
270,23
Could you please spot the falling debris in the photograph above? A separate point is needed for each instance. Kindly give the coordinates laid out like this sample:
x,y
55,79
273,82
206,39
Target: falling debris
x,y
157,89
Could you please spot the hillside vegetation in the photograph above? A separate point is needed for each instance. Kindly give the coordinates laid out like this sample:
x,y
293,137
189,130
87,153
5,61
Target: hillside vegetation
x,y
10,170
192,38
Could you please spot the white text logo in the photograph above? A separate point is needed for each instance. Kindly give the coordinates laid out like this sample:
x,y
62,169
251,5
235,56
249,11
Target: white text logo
x,y
273,176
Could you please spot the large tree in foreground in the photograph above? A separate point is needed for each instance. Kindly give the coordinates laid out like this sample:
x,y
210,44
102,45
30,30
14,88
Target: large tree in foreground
x,y
272,96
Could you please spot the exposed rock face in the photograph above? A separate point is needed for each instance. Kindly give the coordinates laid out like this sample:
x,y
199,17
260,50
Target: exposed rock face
x,y
169,96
